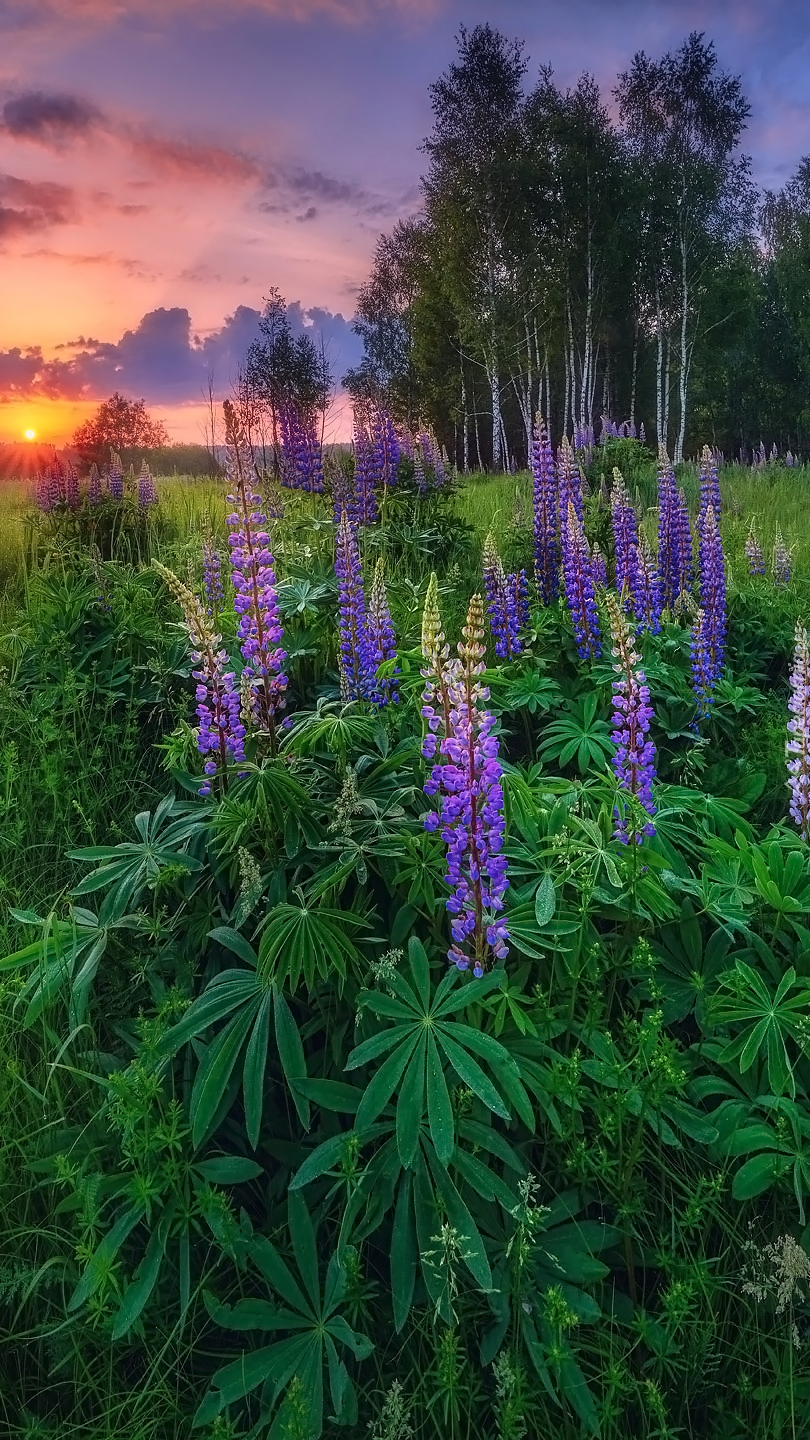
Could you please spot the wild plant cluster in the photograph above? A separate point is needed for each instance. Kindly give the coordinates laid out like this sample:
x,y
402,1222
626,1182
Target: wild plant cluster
x,y
413,1040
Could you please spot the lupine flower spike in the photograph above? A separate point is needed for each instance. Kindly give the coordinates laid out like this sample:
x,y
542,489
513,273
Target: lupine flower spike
x,y
781,560
598,566
221,734
435,673
381,635
471,816
147,491
753,551
115,483
712,597
507,602
634,759
94,485
709,486
797,749
648,602
356,652
254,582
579,588
544,515
625,540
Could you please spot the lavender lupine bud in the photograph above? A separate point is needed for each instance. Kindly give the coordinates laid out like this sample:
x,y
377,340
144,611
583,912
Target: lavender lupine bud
x,y
221,733
212,576
115,483
94,485
712,594
709,485
634,757
782,559
254,581
544,515
147,490
355,645
625,539
381,635
580,589
569,485
648,600
471,797
797,748
703,677
753,551
598,566
435,670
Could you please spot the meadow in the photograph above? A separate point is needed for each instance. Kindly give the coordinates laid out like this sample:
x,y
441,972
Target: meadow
x,y
290,1145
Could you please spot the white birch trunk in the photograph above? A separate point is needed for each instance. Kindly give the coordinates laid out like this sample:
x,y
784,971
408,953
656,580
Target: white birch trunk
x,y
683,375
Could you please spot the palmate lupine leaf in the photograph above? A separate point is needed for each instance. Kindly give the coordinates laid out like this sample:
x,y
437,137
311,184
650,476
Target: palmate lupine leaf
x,y
247,1001
307,939
131,866
67,955
311,1313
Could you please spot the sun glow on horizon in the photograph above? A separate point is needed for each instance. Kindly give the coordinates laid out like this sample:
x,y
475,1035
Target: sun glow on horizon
x,y
30,434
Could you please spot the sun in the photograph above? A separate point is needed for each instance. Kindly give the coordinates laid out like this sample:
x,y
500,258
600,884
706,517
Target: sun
x,y
30,434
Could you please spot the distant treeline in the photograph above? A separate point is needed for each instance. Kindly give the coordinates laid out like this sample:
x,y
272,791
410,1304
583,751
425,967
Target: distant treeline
x,y
583,259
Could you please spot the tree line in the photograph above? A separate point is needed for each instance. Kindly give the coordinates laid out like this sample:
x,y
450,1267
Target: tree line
x,y
583,261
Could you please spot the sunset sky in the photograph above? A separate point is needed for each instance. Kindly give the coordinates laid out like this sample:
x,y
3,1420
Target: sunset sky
x,y
164,162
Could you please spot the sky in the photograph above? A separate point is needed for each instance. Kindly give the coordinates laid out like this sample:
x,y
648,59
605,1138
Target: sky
x,y
164,163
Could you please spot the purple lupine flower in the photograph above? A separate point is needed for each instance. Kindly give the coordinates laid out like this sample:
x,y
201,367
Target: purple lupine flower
x,y
647,600
544,515
598,566
365,473
115,483
44,498
388,444
94,485
703,677
147,490
471,798
254,582
420,479
682,545
642,433
712,594
709,485
569,486
381,636
797,748
56,483
356,654
782,559
579,588
753,551
221,733
668,531
625,540
71,485
212,576
435,672
507,602
634,758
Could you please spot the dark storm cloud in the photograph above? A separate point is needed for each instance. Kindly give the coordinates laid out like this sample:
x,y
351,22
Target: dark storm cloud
x,y
27,206
50,119
162,360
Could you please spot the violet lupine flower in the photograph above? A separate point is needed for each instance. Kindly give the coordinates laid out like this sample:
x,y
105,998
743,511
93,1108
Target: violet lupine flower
x,y
682,545
420,479
212,576
221,733
544,515
507,602
625,540
381,636
709,486
569,485
668,531
56,483
356,654
388,444
782,558
71,485
435,672
115,483
712,594
753,551
471,797
147,490
43,492
94,485
797,748
634,758
579,588
254,582
598,566
642,433
647,601
703,677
